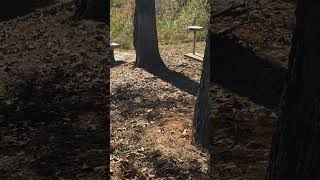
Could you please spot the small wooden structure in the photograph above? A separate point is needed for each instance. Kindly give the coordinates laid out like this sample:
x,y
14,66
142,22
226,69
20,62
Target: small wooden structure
x,y
112,47
194,55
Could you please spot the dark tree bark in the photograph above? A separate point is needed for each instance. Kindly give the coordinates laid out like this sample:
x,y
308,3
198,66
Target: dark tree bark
x,y
145,39
296,143
12,8
92,9
201,123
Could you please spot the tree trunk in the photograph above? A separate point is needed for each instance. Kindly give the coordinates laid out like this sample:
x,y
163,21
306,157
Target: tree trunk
x,y
201,123
92,9
145,39
296,143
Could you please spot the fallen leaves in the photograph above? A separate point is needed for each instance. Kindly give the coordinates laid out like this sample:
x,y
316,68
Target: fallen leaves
x,y
150,119
51,80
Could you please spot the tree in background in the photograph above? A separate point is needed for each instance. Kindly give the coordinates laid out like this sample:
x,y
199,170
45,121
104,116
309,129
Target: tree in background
x,y
296,143
173,18
145,38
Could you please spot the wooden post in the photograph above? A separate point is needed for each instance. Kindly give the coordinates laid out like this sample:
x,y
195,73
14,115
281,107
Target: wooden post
x,y
112,47
194,42
194,55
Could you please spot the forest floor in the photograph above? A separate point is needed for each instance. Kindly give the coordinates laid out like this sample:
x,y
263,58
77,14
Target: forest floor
x,y
53,99
252,45
251,48
53,96
151,117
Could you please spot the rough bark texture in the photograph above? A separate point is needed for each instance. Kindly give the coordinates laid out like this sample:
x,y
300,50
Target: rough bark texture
x,y
296,144
201,124
145,36
92,9
112,60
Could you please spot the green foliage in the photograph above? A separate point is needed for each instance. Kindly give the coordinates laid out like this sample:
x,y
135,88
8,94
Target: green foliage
x,y
121,27
173,18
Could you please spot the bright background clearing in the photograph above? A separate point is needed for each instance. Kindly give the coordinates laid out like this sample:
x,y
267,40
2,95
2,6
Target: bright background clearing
x,y
173,18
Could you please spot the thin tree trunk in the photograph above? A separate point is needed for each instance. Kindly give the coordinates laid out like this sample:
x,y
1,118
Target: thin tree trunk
x,y
145,36
296,143
201,126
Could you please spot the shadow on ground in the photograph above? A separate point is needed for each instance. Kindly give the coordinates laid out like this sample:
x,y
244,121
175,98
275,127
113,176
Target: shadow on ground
x,y
140,105
168,167
164,167
153,101
10,9
116,63
238,69
58,129
177,79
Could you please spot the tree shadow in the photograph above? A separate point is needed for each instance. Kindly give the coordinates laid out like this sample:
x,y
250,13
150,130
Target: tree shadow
x,y
117,63
125,97
14,8
177,79
238,69
62,129
167,167
163,167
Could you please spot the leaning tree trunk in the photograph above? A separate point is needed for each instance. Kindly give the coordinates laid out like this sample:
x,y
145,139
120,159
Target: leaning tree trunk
x,y
201,123
296,143
145,38
92,9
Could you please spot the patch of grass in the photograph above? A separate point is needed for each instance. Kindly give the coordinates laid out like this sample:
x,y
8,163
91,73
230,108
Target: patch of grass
x,y
121,22
173,18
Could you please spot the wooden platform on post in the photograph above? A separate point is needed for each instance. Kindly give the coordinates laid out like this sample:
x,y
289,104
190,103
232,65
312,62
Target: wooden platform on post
x,y
112,47
195,56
